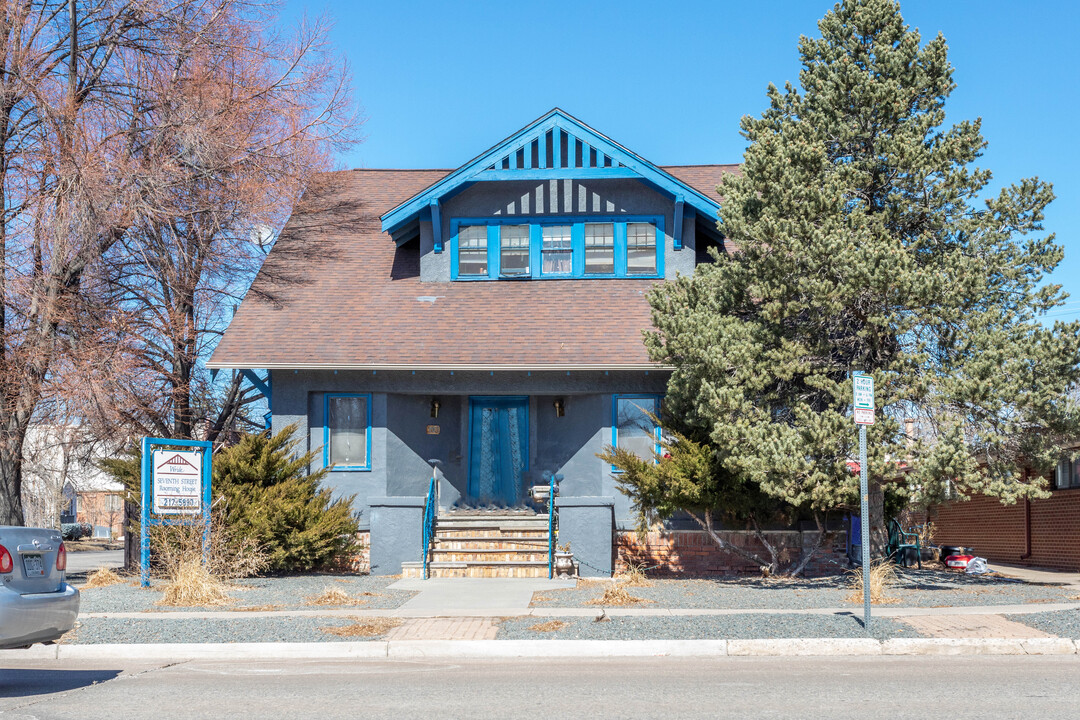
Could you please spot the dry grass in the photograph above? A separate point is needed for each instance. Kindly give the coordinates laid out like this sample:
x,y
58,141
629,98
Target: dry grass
x,y
192,584
228,556
634,576
256,608
369,627
549,626
588,583
882,576
334,597
616,594
102,577
538,598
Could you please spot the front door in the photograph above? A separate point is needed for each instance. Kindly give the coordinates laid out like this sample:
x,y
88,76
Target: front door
x,y
498,449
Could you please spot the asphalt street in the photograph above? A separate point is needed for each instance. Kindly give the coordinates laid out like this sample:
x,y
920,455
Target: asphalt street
x,y
90,560
835,688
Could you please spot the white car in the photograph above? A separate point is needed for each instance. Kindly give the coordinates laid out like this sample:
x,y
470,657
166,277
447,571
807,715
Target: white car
x,y
36,604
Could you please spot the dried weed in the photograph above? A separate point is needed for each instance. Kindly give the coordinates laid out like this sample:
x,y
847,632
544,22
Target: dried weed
x,y
369,627
191,584
882,577
616,594
333,596
256,608
549,626
634,576
102,577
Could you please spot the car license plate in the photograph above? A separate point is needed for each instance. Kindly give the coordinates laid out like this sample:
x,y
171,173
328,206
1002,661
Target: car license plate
x,y
32,566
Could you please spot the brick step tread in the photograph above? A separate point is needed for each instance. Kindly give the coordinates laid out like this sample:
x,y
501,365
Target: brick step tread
x,y
473,560
534,549
492,527
494,535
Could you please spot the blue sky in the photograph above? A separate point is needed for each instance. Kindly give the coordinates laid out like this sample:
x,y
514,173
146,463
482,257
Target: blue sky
x,y
442,81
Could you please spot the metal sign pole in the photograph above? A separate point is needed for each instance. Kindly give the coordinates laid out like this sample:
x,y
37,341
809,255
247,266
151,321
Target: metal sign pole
x,y
865,522
144,516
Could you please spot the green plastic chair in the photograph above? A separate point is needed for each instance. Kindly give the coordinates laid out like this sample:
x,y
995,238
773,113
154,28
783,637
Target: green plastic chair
x,y
900,542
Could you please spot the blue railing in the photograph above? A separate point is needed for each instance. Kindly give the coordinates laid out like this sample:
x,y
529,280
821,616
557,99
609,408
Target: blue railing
x,y
551,528
430,509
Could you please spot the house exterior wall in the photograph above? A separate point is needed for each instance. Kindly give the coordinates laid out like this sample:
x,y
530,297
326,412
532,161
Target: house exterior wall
x,y
999,532
401,446
557,198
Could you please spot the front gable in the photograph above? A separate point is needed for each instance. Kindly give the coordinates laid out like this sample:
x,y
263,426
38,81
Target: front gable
x,y
555,147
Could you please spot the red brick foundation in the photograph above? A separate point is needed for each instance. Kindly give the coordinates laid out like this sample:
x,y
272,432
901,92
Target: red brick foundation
x,y
361,562
999,532
693,552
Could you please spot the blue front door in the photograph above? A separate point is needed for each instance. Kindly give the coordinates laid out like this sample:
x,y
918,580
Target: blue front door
x,y
498,449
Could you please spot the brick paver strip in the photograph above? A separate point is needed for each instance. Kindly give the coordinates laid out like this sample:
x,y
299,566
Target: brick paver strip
x,y
470,628
972,626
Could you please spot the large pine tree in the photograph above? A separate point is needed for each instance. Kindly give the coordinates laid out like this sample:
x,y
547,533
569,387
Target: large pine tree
x,y
863,242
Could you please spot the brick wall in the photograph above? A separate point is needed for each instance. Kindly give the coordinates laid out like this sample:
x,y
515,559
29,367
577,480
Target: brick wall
x,y
998,532
360,562
693,552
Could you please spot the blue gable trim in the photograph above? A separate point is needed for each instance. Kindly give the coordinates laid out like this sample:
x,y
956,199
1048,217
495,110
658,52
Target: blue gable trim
x,y
576,152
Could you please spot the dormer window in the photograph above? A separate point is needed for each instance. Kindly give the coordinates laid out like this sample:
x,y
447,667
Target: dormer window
x,y
640,249
559,247
514,250
599,249
472,250
556,252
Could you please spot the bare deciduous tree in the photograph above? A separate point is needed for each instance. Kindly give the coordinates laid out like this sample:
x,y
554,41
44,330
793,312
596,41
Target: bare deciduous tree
x,y
141,144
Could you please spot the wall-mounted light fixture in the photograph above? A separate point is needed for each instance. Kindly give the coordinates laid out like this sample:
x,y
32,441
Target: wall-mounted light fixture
x,y
560,407
435,404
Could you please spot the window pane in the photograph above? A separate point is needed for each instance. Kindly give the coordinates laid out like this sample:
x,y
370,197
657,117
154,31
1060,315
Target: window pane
x,y
347,420
556,254
599,248
472,250
640,249
514,257
634,431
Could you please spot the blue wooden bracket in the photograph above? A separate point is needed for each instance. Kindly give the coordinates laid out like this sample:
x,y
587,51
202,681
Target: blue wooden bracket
x,y
676,231
436,225
261,385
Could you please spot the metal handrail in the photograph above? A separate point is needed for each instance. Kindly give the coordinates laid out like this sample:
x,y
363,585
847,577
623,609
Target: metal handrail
x,y
430,509
551,528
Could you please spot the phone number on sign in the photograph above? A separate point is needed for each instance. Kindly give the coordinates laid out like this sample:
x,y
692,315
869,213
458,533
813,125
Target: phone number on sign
x,y
178,502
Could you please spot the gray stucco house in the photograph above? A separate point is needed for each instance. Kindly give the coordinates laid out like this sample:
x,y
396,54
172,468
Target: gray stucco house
x,y
488,317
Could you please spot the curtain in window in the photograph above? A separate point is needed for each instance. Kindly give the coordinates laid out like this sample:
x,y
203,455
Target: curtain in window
x,y
485,486
348,430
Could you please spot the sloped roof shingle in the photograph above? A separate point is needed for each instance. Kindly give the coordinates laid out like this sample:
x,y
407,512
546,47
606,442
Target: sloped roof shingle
x,y
335,292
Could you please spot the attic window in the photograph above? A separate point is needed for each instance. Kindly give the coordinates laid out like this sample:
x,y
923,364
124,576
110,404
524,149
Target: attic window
x,y
472,250
513,250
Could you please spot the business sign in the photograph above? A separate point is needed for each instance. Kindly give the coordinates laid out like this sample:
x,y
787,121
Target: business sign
x,y
177,482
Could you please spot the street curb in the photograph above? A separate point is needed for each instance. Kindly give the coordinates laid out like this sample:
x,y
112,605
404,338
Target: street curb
x,y
416,649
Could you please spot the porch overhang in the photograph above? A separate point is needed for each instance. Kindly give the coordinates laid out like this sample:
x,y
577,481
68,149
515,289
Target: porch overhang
x,y
554,367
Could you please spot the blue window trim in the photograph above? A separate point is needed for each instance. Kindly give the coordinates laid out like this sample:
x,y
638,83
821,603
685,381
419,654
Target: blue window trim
x,y
615,419
326,433
577,243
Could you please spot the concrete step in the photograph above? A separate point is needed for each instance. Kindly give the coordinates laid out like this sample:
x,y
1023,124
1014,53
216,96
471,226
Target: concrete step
x,y
508,542
531,569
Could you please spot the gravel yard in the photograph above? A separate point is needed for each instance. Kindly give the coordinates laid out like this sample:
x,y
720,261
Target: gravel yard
x,y
269,593
1063,623
916,588
727,627
91,631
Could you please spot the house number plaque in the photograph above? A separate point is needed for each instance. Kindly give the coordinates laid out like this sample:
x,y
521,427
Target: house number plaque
x,y
432,429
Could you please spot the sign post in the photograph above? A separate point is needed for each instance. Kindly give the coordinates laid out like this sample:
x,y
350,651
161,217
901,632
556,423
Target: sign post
x,y
175,484
863,386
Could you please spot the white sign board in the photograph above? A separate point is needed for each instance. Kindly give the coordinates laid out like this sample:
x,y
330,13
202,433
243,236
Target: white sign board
x,y
177,482
864,391
864,416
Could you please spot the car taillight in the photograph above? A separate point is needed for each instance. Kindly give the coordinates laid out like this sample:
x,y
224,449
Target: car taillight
x,y
61,558
5,560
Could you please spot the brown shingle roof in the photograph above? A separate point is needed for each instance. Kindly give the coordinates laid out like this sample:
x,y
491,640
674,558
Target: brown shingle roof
x,y
336,292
